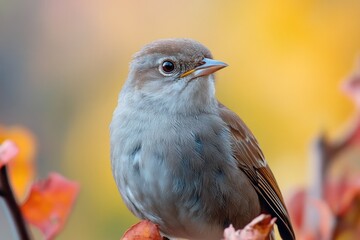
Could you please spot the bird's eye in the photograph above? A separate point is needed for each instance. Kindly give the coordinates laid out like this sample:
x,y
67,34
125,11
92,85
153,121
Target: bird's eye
x,y
168,66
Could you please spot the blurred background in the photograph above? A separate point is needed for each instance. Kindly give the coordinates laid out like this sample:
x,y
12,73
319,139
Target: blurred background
x,y
62,64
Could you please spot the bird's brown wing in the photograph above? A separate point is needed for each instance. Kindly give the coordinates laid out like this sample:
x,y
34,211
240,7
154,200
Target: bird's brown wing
x,y
252,162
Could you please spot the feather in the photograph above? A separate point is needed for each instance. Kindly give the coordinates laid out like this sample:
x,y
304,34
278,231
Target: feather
x,y
252,162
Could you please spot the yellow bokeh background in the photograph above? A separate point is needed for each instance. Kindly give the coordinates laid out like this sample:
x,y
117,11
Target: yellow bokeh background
x,y
286,60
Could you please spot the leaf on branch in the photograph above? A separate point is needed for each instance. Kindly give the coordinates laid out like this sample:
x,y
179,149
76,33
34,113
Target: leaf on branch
x,y
21,169
296,206
8,151
329,208
49,204
342,194
144,230
312,218
257,229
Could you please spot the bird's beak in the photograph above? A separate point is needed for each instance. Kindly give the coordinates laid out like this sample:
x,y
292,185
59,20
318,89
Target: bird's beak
x,y
207,67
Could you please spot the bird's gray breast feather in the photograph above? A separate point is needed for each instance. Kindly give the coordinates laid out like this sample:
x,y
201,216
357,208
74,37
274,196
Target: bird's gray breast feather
x,y
173,170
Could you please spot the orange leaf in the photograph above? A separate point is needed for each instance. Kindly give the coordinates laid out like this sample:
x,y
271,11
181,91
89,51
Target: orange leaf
x,y
21,168
8,151
257,229
144,230
49,203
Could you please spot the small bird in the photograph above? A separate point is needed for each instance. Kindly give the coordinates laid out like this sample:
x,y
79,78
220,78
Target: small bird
x,y
179,157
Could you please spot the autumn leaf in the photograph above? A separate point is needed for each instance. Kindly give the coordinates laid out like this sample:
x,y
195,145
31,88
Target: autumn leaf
x,y
296,206
49,204
312,218
257,229
21,168
144,230
341,195
8,150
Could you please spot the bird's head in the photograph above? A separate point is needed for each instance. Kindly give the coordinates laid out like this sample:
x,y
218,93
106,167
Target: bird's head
x,y
174,75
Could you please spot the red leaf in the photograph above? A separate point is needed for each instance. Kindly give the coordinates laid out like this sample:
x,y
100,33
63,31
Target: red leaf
x,y
49,204
257,229
8,150
296,205
144,230
342,194
312,218
326,219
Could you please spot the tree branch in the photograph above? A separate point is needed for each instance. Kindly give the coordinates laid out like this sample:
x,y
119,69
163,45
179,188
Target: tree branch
x,y
8,195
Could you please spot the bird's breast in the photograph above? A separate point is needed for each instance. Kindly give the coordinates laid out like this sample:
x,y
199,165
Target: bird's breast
x,y
175,171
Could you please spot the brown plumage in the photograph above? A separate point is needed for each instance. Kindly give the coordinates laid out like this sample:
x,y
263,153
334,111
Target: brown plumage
x,y
251,161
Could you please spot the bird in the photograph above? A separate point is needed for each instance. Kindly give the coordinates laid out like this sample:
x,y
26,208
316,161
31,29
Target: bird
x,y
180,158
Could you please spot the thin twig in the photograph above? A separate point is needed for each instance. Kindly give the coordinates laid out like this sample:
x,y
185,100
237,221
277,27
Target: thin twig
x,y
8,195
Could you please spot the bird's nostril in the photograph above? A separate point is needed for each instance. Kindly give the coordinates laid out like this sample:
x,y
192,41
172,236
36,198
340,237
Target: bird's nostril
x,y
202,62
